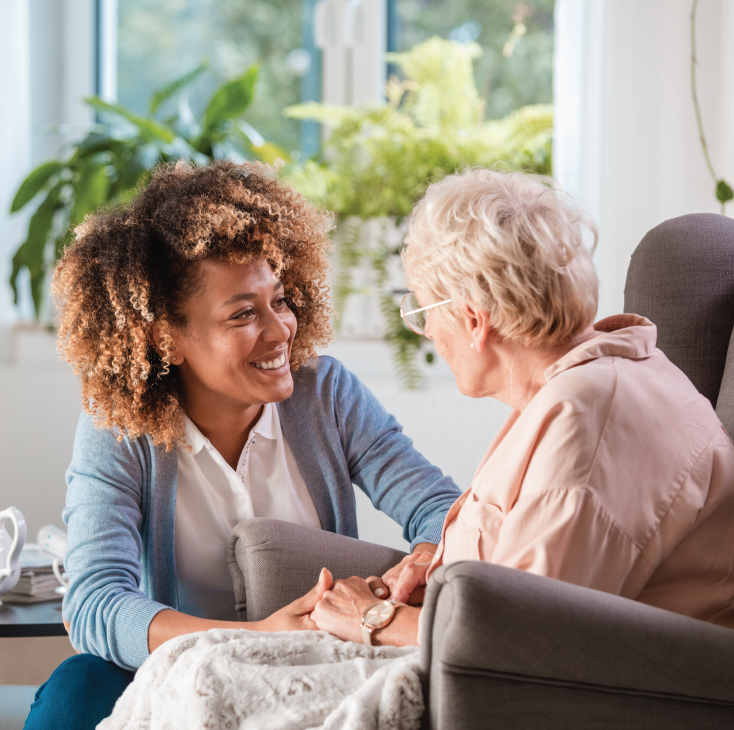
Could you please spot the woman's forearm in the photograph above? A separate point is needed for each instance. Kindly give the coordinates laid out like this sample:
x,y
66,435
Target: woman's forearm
x,y
169,623
401,631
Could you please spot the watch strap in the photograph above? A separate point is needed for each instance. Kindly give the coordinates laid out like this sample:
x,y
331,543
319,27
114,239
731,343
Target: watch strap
x,y
367,633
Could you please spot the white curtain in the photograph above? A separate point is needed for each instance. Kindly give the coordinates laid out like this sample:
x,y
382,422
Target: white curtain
x,y
626,141
48,66
15,137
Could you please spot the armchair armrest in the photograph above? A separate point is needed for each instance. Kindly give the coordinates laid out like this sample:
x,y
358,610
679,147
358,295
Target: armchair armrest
x,y
507,649
273,562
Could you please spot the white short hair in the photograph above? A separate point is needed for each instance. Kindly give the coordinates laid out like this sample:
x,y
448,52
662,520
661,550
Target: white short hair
x,y
510,244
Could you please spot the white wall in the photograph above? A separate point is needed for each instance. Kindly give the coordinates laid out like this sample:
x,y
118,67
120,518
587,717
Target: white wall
x,y
40,407
62,73
47,56
15,132
626,139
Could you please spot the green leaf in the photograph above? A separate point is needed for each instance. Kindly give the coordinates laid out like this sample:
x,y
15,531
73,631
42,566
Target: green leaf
x,y
61,243
148,128
90,191
36,291
31,254
96,142
129,168
174,87
270,152
17,266
31,186
254,142
724,193
230,101
253,137
124,197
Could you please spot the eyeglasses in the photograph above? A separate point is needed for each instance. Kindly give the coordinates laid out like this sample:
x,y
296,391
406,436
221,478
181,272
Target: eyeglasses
x,y
415,316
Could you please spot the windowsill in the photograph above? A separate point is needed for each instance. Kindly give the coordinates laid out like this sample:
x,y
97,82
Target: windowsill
x,y
372,357
29,346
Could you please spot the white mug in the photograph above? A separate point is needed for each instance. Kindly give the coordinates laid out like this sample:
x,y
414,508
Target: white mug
x,y
55,541
10,548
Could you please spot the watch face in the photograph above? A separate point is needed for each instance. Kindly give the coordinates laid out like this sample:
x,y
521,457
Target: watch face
x,y
379,614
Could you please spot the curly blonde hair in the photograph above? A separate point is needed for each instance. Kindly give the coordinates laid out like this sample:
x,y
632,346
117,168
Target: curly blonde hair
x,y
129,268
510,243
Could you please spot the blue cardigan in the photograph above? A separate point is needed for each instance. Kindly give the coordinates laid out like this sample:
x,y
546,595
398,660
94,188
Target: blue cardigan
x,y
121,503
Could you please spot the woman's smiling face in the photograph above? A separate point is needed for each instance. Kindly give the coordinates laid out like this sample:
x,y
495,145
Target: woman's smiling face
x,y
236,346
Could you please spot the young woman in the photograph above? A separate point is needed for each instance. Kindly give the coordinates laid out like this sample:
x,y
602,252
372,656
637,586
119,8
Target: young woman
x,y
192,318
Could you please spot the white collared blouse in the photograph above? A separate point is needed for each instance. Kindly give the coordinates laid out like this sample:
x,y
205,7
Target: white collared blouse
x,y
212,498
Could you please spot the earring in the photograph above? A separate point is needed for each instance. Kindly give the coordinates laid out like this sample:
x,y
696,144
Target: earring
x,y
472,345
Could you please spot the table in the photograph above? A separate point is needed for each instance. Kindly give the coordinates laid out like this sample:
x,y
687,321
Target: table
x,y
37,619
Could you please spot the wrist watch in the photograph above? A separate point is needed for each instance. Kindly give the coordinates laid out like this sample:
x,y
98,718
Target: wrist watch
x,y
377,616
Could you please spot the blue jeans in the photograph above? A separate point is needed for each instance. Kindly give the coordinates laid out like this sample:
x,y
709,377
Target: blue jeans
x,y
79,694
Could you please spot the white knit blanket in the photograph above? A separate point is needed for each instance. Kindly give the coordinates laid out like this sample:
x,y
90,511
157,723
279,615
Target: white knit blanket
x,y
246,680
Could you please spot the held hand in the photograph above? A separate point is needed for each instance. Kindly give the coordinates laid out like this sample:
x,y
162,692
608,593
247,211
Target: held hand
x,y
168,624
340,610
296,616
406,581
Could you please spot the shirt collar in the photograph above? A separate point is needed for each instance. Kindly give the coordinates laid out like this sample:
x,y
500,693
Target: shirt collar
x,y
623,335
194,438
265,427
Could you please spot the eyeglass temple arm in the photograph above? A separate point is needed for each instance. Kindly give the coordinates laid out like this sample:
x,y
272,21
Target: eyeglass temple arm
x,y
423,309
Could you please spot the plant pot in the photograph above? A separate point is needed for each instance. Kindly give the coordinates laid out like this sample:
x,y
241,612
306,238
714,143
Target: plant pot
x,y
367,287
366,265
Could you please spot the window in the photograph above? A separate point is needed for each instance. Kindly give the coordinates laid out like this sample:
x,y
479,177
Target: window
x,y
159,40
516,67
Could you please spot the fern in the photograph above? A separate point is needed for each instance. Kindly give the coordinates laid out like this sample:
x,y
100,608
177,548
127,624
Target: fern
x,y
404,349
403,342
349,235
441,95
378,160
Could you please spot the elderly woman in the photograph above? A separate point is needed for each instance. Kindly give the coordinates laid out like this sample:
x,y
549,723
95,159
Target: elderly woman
x,y
612,471
188,316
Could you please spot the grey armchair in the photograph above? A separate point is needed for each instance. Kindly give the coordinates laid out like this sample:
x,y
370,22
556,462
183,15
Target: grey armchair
x,y
504,649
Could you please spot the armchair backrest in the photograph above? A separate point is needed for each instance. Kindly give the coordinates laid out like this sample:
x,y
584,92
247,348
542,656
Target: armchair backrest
x,y
681,277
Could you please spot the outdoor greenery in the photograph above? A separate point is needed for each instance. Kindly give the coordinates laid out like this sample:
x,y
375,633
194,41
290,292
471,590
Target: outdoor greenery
x,y
516,36
116,157
159,38
378,160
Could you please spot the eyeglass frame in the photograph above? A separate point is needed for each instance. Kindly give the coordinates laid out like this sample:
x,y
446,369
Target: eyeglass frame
x,y
420,309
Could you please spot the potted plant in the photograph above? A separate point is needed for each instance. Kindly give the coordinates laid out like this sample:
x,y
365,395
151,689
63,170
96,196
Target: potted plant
x,y
107,166
378,160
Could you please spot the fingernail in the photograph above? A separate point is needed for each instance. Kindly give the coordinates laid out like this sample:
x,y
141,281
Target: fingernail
x,y
321,574
380,592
